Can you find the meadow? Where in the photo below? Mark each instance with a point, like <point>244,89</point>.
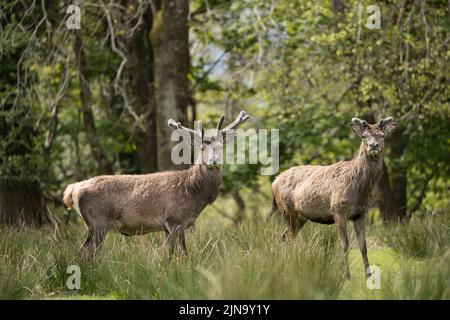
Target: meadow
<point>228,261</point>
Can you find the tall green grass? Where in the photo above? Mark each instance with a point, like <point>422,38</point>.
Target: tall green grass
<point>421,237</point>
<point>244,262</point>
<point>225,262</point>
<point>428,280</point>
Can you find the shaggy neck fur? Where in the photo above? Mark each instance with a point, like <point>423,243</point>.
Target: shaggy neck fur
<point>205,182</point>
<point>367,170</point>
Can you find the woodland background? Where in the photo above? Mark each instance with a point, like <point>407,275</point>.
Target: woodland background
<point>79,103</point>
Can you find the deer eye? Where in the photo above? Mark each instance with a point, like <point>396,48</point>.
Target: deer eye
<point>207,142</point>
<point>364,135</point>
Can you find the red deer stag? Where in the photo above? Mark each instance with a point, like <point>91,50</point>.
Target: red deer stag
<point>167,201</point>
<point>335,193</point>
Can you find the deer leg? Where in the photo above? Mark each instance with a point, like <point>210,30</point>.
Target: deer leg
<point>295,224</point>
<point>341,224</point>
<point>99,236</point>
<point>171,238</point>
<point>360,230</point>
<point>86,248</point>
<point>182,240</point>
<point>95,237</point>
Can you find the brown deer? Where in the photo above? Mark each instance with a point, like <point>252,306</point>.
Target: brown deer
<point>167,201</point>
<point>335,193</point>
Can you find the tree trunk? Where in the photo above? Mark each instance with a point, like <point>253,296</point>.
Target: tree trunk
<point>140,92</point>
<point>399,186</point>
<point>21,203</point>
<point>100,157</point>
<point>399,174</point>
<point>169,37</point>
<point>393,207</point>
<point>386,198</point>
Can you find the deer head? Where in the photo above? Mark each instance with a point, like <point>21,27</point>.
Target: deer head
<point>211,146</point>
<point>373,134</point>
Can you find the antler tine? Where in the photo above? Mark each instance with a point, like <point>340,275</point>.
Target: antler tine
<point>361,122</point>
<point>386,120</point>
<point>220,123</point>
<point>177,125</point>
<point>242,117</point>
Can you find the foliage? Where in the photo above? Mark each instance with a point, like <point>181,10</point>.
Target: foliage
<point>302,67</point>
<point>307,68</point>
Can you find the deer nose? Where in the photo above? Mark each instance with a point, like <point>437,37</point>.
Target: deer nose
<point>213,161</point>
<point>374,145</point>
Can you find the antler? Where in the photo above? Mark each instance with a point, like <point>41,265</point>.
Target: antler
<point>360,122</point>
<point>242,117</point>
<point>177,125</point>
<point>219,124</point>
<point>383,122</point>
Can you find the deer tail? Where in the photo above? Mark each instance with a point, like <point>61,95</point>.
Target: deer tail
<point>68,201</point>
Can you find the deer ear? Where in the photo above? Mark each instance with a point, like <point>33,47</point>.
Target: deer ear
<point>356,128</point>
<point>387,125</point>
<point>173,124</point>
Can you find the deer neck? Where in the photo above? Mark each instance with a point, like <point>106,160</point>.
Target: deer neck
<point>367,170</point>
<point>205,182</point>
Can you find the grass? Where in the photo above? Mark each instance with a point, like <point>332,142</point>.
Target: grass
<point>422,237</point>
<point>227,262</point>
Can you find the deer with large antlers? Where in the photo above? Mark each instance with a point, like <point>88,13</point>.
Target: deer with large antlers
<point>337,193</point>
<point>167,201</point>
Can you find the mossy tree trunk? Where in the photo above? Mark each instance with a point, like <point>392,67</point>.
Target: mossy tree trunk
<point>169,37</point>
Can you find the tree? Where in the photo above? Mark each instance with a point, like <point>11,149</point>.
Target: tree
<point>75,104</point>
<point>21,160</point>
<point>139,83</point>
<point>104,165</point>
<point>169,37</point>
